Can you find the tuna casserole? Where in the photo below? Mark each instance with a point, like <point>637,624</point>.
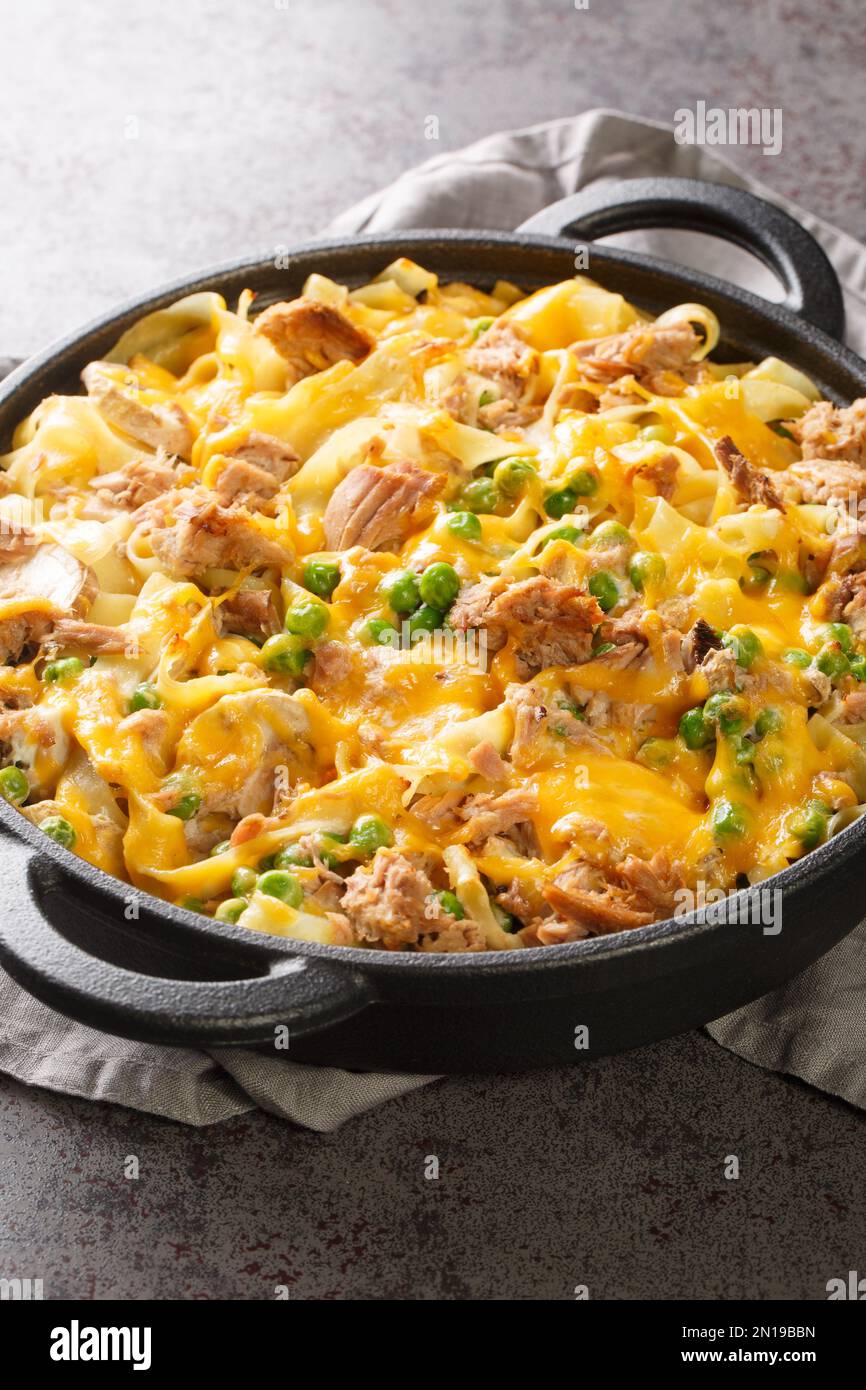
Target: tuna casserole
<point>422,618</point>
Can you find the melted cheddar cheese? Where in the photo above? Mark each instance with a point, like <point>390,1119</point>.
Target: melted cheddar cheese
<point>421,617</point>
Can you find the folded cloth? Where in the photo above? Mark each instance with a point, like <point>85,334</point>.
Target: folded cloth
<point>814,1027</point>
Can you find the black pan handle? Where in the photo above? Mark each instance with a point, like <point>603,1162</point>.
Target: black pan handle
<point>303,993</point>
<point>811,284</point>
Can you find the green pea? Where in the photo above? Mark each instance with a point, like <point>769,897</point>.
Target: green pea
<point>695,730</point>
<point>744,750</point>
<point>512,475</point>
<point>380,633</point>
<point>727,710</point>
<point>758,577</point>
<point>661,434</point>
<point>276,883</point>
<point>507,921</point>
<point>14,785</point>
<point>487,397</point>
<point>192,904</point>
<point>426,619</point>
<point>292,857</point>
<point>810,826</point>
<point>186,807</point>
<point>564,533</point>
<point>795,656</point>
<point>65,669</point>
<point>244,881</point>
<point>439,585</point>
<point>231,909</point>
<point>307,619</point>
<point>728,819</point>
<point>58,828</point>
<point>560,503</point>
<point>145,696</point>
<point>769,721</point>
<point>858,667</point>
<point>221,848</point>
<point>402,591</point>
<point>646,568</point>
<point>656,752</point>
<point>321,577</point>
<point>832,661</point>
<point>841,633</point>
<point>267,861</point>
<point>282,655</point>
<point>481,495</point>
<point>604,587</point>
<point>608,534</point>
<point>745,645</point>
<point>370,833</point>
<point>449,902</point>
<point>583,482</point>
<point>465,525</point>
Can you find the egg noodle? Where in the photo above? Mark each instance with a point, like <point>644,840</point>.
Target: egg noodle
<point>421,617</point>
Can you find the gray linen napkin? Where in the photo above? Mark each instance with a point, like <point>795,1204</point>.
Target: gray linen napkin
<point>813,1028</point>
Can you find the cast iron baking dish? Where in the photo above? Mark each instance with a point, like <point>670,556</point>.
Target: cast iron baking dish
<point>117,958</point>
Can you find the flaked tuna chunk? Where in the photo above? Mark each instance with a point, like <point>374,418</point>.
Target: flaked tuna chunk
<point>504,357</point>
<point>536,723</point>
<point>251,613</point>
<point>748,481</point>
<point>379,507</point>
<point>136,483</point>
<point>547,624</point>
<point>655,882</point>
<point>584,895</point>
<point>660,472</point>
<point>162,426</point>
<point>487,814</point>
<point>392,902</point>
<point>311,336</point>
<point>487,761</point>
<point>825,480</point>
<point>832,432</point>
<point>244,484</point>
<point>93,637</point>
<point>190,532</point>
<point>274,455</point>
<point>658,356</point>
<point>60,585</point>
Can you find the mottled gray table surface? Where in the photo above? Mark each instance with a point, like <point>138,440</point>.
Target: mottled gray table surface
<point>141,140</point>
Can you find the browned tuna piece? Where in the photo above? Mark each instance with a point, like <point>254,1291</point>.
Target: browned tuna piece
<point>503,355</point>
<point>749,482</point>
<point>658,356</point>
<point>379,507</point>
<point>832,432</point>
<point>251,613</point>
<point>826,480</point>
<point>392,902</point>
<point>136,483</point>
<point>161,426</point>
<point>48,573</point>
<point>274,455</point>
<point>312,336</point>
<point>94,637</point>
<point>190,532</point>
<point>548,624</point>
